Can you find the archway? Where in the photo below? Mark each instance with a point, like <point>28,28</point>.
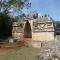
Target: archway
<point>27,30</point>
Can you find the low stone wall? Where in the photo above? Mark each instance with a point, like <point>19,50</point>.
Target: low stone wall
<point>43,36</point>
<point>4,45</point>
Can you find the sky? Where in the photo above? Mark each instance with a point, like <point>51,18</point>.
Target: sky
<point>50,7</point>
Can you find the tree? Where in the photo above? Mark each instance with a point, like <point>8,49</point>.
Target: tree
<point>7,6</point>
<point>58,27</point>
<point>5,25</point>
<point>57,24</point>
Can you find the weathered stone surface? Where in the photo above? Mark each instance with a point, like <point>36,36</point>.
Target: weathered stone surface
<point>11,40</point>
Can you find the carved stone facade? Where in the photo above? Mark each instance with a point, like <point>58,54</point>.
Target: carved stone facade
<point>34,28</point>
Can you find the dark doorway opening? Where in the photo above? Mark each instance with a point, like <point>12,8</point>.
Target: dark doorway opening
<point>27,30</point>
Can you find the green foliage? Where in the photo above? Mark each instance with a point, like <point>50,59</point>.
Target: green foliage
<point>16,5</point>
<point>57,24</point>
<point>58,27</point>
<point>22,15</point>
<point>5,25</point>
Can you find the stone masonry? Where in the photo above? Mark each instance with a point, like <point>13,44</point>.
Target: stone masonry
<point>34,30</point>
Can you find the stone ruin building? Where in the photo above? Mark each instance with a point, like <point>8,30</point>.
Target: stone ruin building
<point>34,29</point>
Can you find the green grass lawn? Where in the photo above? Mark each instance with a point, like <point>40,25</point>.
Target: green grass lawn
<point>23,53</point>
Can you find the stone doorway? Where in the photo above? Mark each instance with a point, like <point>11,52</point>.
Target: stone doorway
<point>27,30</point>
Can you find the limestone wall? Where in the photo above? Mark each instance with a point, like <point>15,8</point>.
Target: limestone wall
<point>18,36</point>
<point>43,36</point>
<point>39,37</point>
